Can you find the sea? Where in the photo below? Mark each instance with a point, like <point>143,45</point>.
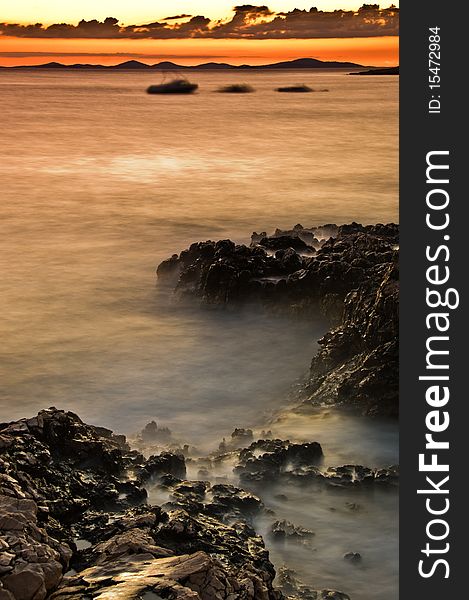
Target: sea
<point>99,182</point>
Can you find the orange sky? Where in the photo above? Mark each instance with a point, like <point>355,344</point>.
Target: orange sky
<point>368,51</point>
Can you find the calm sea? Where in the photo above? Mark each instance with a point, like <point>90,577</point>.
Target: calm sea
<point>99,182</point>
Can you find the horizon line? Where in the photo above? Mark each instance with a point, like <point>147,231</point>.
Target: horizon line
<point>133,61</point>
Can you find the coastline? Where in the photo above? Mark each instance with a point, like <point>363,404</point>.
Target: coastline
<point>74,496</point>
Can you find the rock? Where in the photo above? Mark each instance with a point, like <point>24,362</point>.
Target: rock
<point>277,458</point>
<point>152,433</point>
<point>26,584</point>
<point>353,557</point>
<point>242,436</point>
<point>293,589</point>
<point>77,506</point>
<point>283,242</point>
<point>165,463</point>
<point>168,268</point>
<point>281,531</point>
<point>344,476</point>
<point>188,576</point>
<point>347,273</point>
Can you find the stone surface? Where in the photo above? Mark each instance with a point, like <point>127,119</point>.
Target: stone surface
<point>347,274</point>
<point>74,522</point>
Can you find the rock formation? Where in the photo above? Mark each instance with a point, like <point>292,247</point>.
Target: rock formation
<point>348,274</point>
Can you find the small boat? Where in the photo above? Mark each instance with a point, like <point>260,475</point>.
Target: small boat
<point>295,89</point>
<point>236,88</point>
<point>176,86</point>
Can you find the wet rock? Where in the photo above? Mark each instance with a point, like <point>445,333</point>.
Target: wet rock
<point>76,506</point>
<point>284,242</point>
<point>267,460</point>
<point>348,274</point>
<point>165,463</point>
<point>187,576</point>
<point>345,476</point>
<point>281,531</point>
<point>168,268</point>
<point>293,589</point>
<point>31,562</point>
<point>242,436</point>
<point>152,433</point>
<point>353,557</point>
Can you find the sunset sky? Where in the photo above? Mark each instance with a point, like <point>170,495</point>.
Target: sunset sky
<point>194,31</point>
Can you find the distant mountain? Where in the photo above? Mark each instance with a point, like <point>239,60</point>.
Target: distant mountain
<point>49,65</point>
<point>135,65</point>
<point>130,65</point>
<point>308,63</point>
<point>385,71</point>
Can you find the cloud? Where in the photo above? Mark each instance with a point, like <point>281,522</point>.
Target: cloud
<point>248,22</point>
<point>141,55</point>
<point>177,18</point>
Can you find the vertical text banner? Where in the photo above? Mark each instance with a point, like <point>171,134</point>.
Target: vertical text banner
<point>433,319</point>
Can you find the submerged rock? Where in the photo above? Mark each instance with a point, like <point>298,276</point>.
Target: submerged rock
<point>268,460</point>
<point>353,557</point>
<point>293,589</point>
<point>154,433</point>
<point>282,531</point>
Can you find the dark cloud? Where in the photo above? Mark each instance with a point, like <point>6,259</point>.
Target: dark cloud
<point>248,22</point>
<point>139,55</point>
<point>177,17</point>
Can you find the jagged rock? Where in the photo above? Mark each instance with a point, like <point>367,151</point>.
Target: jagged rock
<point>283,242</point>
<point>168,268</point>
<point>188,576</point>
<point>152,433</point>
<point>71,503</point>
<point>345,476</point>
<point>351,278</point>
<point>293,589</point>
<point>277,457</point>
<point>31,562</point>
<point>165,463</point>
<point>353,557</point>
<point>281,531</point>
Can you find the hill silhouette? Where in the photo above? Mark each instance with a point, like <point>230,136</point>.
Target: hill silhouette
<point>135,65</point>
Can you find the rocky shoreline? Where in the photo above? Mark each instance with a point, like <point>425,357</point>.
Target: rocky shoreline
<point>347,274</point>
<point>75,519</point>
<point>75,522</point>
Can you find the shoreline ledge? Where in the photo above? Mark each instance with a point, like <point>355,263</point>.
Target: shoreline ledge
<point>347,274</point>
<point>75,521</point>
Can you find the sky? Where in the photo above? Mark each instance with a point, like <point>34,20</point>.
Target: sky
<point>194,31</point>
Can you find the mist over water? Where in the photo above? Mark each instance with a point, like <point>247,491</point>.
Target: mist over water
<point>100,182</point>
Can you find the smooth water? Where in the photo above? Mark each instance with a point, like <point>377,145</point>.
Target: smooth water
<point>100,181</point>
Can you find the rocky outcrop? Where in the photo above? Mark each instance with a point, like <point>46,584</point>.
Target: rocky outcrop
<point>273,461</point>
<point>293,589</point>
<point>347,274</point>
<point>74,522</point>
<point>268,460</point>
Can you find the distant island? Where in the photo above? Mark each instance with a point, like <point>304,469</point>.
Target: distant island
<point>135,65</point>
<point>384,71</point>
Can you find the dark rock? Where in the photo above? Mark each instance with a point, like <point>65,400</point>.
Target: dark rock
<point>152,433</point>
<point>349,275</point>
<point>277,458</point>
<point>283,242</point>
<point>353,557</point>
<point>281,531</point>
<point>69,503</point>
<point>164,464</point>
<point>293,589</point>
